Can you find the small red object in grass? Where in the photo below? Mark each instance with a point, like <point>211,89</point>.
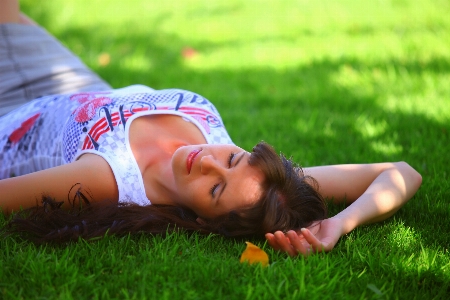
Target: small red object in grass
<point>189,52</point>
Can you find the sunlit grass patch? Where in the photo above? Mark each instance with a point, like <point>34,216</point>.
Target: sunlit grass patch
<point>325,82</point>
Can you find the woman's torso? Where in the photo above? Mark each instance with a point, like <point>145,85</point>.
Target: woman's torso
<point>55,130</point>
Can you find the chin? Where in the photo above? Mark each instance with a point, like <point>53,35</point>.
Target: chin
<point>179,160</point>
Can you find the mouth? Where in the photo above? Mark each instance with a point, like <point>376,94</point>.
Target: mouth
<point>190,159</point>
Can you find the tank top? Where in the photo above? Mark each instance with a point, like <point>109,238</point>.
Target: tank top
<point>58,129</point>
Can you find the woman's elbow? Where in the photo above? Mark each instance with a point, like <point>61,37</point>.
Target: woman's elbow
<point>411,175</point>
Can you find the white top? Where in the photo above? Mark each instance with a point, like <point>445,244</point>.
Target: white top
<point>55,130</point>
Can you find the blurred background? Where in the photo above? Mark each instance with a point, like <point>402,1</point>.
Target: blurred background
<point>327,82</point>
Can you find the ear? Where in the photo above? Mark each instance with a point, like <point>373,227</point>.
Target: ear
<point>200,221</point>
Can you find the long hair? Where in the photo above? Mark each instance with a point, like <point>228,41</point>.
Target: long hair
<point>290,201</point>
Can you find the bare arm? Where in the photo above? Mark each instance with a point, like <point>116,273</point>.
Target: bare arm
<point>91,173</point>
<point>375,191</point>
<point>9,11</point>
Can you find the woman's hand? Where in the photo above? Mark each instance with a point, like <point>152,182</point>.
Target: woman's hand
<point>320,236</point>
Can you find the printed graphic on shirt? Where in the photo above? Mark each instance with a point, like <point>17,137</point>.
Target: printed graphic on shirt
<point>100,114</point>
<point>17,134</point>
<point>30,136</point>
<point>90,102</point>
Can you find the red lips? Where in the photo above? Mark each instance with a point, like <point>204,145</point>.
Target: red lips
<point>190,159</point>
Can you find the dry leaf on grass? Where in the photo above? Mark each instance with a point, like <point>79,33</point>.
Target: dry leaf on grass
<point>253,255</point>
<point>104,59</point>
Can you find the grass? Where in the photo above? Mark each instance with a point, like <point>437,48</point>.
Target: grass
<point>327,82</point>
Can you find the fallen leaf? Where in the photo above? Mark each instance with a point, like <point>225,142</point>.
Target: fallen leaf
<point>253,255</point>
<point>104,59</point>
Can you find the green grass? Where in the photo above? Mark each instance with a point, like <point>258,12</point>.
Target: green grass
<point>327,82</point>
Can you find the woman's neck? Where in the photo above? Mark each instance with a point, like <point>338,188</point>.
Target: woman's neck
<point>153,140</point>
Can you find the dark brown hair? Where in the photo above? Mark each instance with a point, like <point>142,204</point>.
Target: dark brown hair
<point>290,201</point>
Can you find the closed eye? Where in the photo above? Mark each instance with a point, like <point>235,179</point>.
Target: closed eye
<point>213,190</point>
<point>230,159</point>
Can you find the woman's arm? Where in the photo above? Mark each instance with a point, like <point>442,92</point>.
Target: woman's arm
<point>375,191</point>
<point>90,174</point>
<point>9,11</point>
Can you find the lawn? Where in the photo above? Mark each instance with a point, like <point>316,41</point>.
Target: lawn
<point>326,82</point>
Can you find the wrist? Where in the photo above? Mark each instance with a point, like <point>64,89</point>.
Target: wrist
<point>346,225</point>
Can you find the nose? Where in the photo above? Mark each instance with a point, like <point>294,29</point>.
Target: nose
<point>209,165</point>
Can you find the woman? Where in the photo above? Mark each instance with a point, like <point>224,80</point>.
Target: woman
<point>144,159</point>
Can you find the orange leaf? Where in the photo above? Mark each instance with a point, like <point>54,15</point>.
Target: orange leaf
<point>104,59</point>
<point>253,255</point>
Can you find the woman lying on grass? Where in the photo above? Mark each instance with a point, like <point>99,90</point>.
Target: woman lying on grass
<point>140,160</point>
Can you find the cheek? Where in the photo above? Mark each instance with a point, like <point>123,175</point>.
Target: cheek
<point>176,160</point>
<point>201,199</point>
<point>198,194</point>
<point>193,195</point>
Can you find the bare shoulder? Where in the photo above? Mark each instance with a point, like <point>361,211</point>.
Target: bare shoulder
<point>96,174</point>
<point>93,160</point>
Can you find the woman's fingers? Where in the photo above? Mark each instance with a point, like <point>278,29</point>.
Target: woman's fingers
<point>293,243</point>
<point>316,245</point>
<point>301,245</point>
<point>272,241</point>
<point>284,243</point>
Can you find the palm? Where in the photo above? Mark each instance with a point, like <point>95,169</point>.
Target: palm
<point>321,236</point>
<point>328,232</point>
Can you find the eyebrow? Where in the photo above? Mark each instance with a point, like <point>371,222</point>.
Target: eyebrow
<point>237,162</point>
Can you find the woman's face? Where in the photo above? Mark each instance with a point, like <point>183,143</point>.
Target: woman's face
<point>213,180</point>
